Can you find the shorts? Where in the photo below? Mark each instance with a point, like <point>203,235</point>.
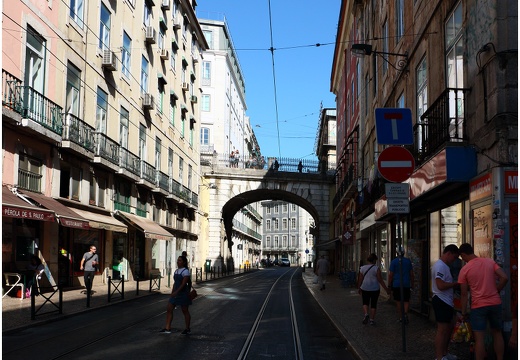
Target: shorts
<point>443,312</point>
<point>370,297</point>
<point>480,316</point>
<point>397,294</point>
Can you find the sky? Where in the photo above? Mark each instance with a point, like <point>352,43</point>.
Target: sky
<point>288,126</point>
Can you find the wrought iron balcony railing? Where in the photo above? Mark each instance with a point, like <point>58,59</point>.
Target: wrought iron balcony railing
<point>129,161</point>
<point>79,132</point>
<point>107,148</point>
<point>40,109</point>
<point>29,180</point>
<point>443,122</point>
<point>347,186</point>
<point>147,172</point>
<point>11,87</point>
<point>162,181</point>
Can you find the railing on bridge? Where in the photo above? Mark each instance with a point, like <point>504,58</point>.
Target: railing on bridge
<point>285,164</point>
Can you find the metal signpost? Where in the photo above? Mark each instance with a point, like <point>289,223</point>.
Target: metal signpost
<point>396,164</point>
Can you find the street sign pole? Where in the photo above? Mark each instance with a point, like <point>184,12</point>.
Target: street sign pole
<point>400,250</point>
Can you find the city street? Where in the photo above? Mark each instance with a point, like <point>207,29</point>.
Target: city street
<point>248,317</point>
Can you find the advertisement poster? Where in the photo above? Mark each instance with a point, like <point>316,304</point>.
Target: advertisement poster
<point>483,231</point>
<point>513,231</point>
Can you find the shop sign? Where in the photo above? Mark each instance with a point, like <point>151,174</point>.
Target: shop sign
<point>480,188</point>
<point>78,224</point>
<point>27,214</point>
<point>511,179</point>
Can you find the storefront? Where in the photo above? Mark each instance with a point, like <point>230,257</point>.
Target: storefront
<point>144,253</point>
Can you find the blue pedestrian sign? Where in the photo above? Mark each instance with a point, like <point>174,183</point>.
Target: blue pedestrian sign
<point>394,126</point>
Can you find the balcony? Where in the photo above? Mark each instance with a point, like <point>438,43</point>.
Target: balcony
<point>34,106</point>
<point>129,161</point>
<point>11,96</point>
<point>185,194</point>
<point>107,148</point>
<point>147,172</point>
<point>162,181</point>
<point>29,180</point>
<point>79,132</point>
<point>347,188</point>
<point>195,199</point>
<point>442,123</point>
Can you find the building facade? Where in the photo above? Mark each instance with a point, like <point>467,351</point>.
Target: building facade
<point>100,122</point>
<point>454,65</point>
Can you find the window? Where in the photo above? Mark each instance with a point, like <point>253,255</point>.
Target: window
<point>374,78</point>
<point>268,209</point>
<point>142,141</point>
<point>70,181</point>
<point>276,224</point>
<point>76,11</point>
<point>206,73</point>
<point>276,241</point>
<point>422,97</point>
<point>400,101</point>
<point>399,19</point>
<point>190,175</point>
<point>293,207</point>
<point>284,224</point>
<point>104,28</point>
<point>144,75</point>
<point>170,162</point>
<point>73,85</point>
<point>122,195</point>
<point>268,224</point>
<point>158,145</point>
<point>454,49</point>
<point>208,34</point>
<point>204,136</point>
<point>147,16</point>
<point>284,241</point>
<point>173,108</point>
<point>366,93</point>
<point>101,111</point>
<point>124,117</point>
<point>160,98</point>
<point>293,223</point>
<point>285,207</point>
<point>173,55</point>
<point>181,170</point>
<point>205,102</point>
<point>276,209</point>
<point>127,47</point>
<point>268,241</point>
<point>97,190</point>
<point>160,42</point>
<point>29,173</point>
<point>34,68</point>
<point>293,241</point>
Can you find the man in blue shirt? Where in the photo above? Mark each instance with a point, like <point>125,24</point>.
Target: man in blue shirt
<point>394,282</point>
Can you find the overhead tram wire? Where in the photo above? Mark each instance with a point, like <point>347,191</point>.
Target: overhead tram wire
<point>274,79</point>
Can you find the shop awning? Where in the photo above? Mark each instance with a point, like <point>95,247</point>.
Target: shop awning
<point>66,217</point>
<point>13,206</point>
<point>100,221</point>
<point>150,228</point>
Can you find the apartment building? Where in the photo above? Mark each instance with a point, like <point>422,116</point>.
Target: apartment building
<point>287,233</point>
<point>99,126</point>
<point>454,65</point>
<point>227,141</point>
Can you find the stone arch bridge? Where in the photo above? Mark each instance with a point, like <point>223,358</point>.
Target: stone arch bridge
<point>226,190</point>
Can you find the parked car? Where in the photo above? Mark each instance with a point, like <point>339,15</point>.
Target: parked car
<point>285,262</point>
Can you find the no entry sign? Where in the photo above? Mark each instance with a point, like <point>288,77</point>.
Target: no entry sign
<point>395,164</point>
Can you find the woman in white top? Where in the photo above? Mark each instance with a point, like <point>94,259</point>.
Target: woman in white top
<point>369,280</point>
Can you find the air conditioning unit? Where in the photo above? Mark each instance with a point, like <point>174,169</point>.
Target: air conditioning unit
<point>148,101</point>
<point>177,22</point>
<point>185,86</point>
<point>164,54</point>
<point>109,60</point>
<point>150,35</point>
<point>165,4</point>
<point>193,99</point>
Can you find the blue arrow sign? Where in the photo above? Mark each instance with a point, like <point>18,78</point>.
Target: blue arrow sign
<point>394,126</point>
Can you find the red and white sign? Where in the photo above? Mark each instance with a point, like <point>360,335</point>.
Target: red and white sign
<point>480,188</point>
<point>511,178</point>
<point>21,213</point>
<point>395,164</point>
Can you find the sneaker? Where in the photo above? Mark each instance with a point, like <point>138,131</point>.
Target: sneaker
<point>165,331</point>
<point>450,357</point>
<point>372,322</point>
<point>365,319</point>
<point>186,332</point>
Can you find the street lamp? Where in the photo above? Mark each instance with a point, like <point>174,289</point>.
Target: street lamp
<point>360,50</point>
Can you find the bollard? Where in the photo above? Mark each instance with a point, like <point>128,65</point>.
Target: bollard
<point>137,286</point>
<point>109,283</point>
<point>88,297</point>
<point>123,287</point>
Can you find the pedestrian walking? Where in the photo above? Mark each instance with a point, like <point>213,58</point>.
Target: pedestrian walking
<point>478,277</point>
<point>369,281</point>
<point>89,264</point>
<point>322,269</point>
<point>300,166</point>
<point>179,296</point>
<point>442,301</point>
<point>394,282</point>
<point>276,165</point>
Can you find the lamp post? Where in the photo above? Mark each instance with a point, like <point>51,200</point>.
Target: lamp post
<point>360,50</point>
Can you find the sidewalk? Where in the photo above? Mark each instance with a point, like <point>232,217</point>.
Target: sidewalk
<point>384,340</point>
